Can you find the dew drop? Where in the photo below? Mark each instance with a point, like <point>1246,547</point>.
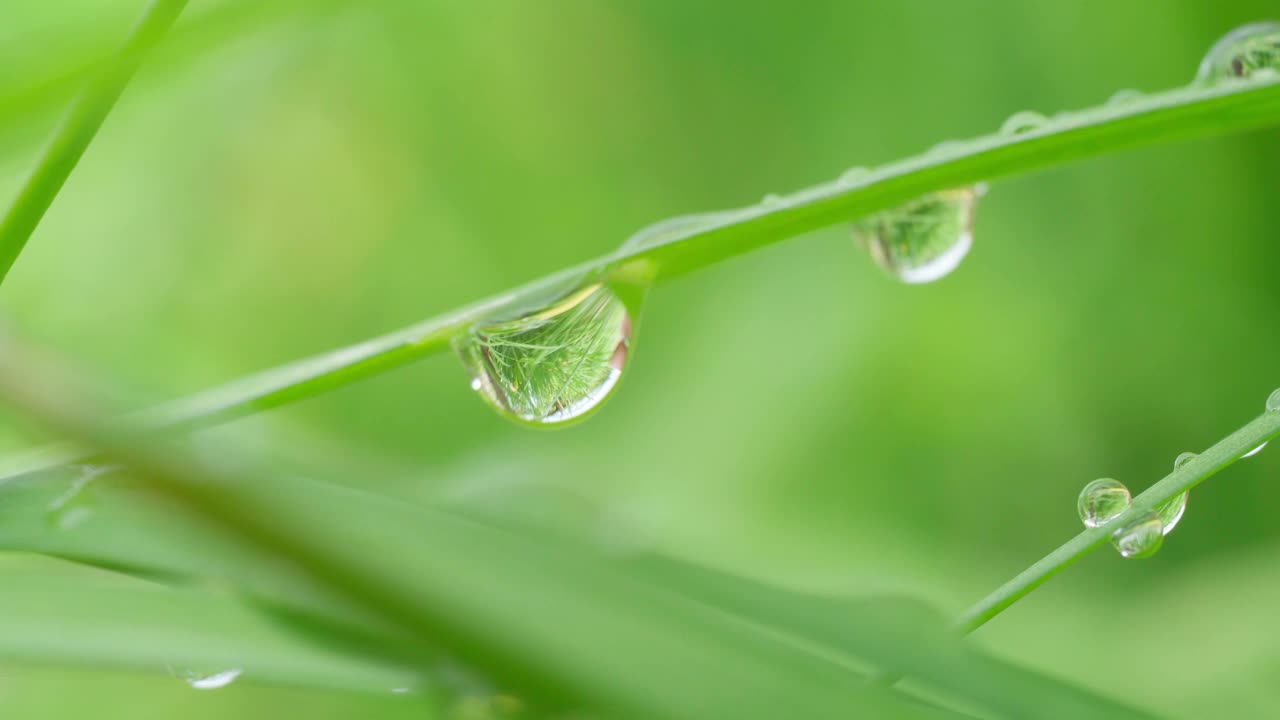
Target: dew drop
<point>1140,538</point>
<point>1171,512</point>
<point>1024,121</point>
<point>1183,459</point>
<point>1124,97</point>
<point>1273,402</point>
<point>677,227</point>
<point>1101,501</point>
<point>554,365</point>
<point>1250,51</point>
<point>923,240</point>
<point>772,200</point>
<point>210,681</point>
<point>853,175</point>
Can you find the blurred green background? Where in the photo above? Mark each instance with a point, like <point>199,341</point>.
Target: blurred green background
<point>294,178</point>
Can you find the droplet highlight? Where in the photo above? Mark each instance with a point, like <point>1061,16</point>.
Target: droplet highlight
<point>210,681</point>
<point>1021,122</point>
<point>923,240</point>
<point>1254,451</point>
<point>552,366</point>
<point>1101,501</point>
<point>1140,538</point>
<point>1248,52</point>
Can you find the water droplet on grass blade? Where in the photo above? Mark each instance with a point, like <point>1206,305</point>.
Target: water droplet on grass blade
<point>1250,51</point>
<point>210,680</point>
<point>1101,501</point>
<point>1140,538</point>
<point>554,365</point>
<point>1273,402</point>
<point>675,228</point>
<point>1024,121</point>
<point>923,240</point>
<point>1171,512</point>
<point>853,175</point>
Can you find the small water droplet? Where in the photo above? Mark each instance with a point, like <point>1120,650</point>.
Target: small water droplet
<point>1254,451</point>
<point>677,227</point>
<point>1273,402</point>
<point>1183,459</point>
<point>1171,512</point>
<point>210,681</point>
<point>772,200</point>
<point>923,240</point>
<point>554,365</point>
<point>1140,538</point>
<point>1243,53</point>
<point>76,505</point>
<point>853,175</point>
<point>1124,97</point>
<point>1101,501</point>
<point>1024,121</point>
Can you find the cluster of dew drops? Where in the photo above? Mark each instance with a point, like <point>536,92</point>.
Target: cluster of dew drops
<point>1105,499</point>
<point>556,365</point>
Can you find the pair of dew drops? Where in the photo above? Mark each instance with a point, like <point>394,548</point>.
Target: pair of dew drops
<point>1105,499</point>
<point>554,365</point>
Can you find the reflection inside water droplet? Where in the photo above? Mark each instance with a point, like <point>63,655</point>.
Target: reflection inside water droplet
<point>1171,512</point>
<point>551,366</point>
<point>1101,501</point>
<point>210,681</point>
<point>1140,538</point>
<point>1251,51</point>
<point>923,240</point>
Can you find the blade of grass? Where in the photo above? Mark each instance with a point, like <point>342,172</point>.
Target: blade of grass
<point>78,129</point>
<point>550,621</point>
<point>1162,117</point>
<point>106,622</point>
<point>1209,463</point>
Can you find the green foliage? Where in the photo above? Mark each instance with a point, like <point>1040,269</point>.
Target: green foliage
<point>374,586</point>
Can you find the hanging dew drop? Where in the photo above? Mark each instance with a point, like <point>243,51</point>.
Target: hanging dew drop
<point>552,366</point>
<point>210,680</point>
<point>1140,538</point>
<point>923,240</point>
<point>1273,402</point>
<point>1171,512</point>
<point>1021,122</point>
<point>1248,52</point>
<point>1101,501</point>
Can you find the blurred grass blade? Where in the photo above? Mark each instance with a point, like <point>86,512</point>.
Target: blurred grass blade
<point>78,129</point>
<point>1161,117</point>
<point>890,632</point>
<point>130,625</point>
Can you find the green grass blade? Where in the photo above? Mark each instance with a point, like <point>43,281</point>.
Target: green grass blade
<point>108,622</point>
<point>78,129</point>
<point>1162,117</point>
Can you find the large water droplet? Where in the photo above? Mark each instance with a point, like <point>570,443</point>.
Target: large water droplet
<point>923,240</point>
<point>210,680</point>
<point>1024,121</point>
<point>1140,538</point>
<point>1251,51</point>
<point>1273,402</point>
<point>1101,501</point>
<point>554,365</point>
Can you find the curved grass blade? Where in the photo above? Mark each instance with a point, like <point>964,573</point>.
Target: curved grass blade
<point>1161,117</point>
<point>106,622</point>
